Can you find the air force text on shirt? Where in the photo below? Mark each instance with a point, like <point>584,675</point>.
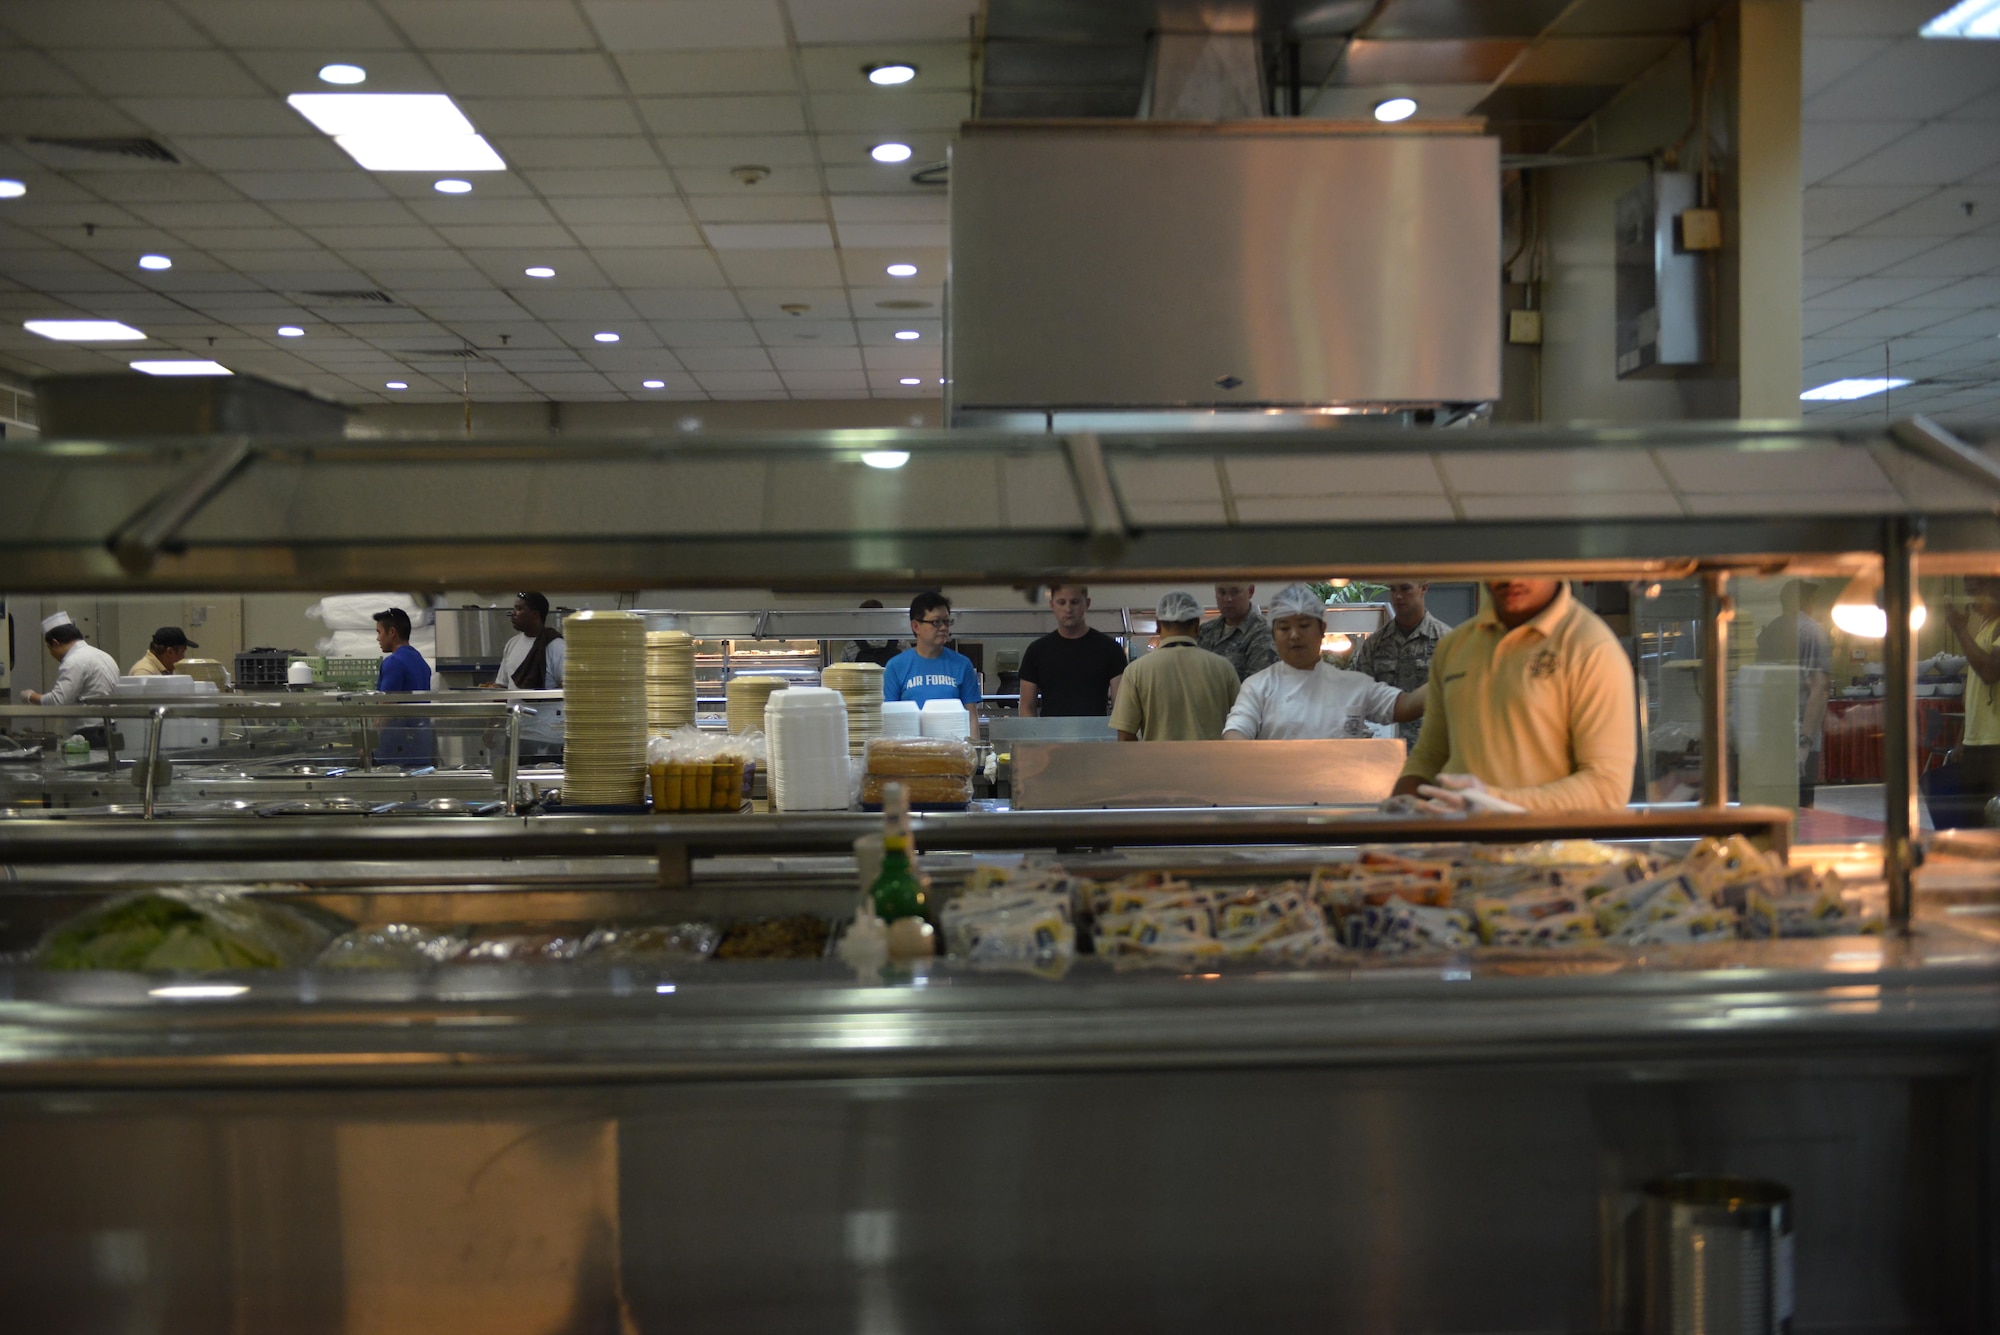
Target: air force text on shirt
<point>948,680</point>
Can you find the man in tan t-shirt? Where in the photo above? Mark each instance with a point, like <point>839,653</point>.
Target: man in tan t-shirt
<point>1531,703</point>
<point>1180,692</point>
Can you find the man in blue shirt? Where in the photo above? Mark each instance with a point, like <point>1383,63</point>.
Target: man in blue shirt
<point>930,671</point>
<point>403,669</point>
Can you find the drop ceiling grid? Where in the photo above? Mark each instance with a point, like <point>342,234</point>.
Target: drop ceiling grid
<point>577,197</point>
<point>1901,134</point>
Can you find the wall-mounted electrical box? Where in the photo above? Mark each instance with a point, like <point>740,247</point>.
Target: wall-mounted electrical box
<point>1663,299</point>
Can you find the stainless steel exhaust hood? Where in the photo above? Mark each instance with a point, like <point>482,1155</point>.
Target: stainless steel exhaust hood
<point>1221,270</point>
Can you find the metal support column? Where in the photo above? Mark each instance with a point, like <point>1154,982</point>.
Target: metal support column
<point>1718,609</point>
<point>1901,539</point>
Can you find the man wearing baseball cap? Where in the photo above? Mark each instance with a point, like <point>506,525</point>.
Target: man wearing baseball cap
<point>83,670</point>
<point>1180,692</point>
<point>170,645</point>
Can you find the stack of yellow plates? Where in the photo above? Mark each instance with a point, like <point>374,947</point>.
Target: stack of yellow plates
<point>604,710</point>
<point>669,680</point>
<point>747,697</point>
<point>861,685</point>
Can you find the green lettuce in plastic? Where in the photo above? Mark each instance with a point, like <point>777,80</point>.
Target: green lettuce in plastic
<point>182,930</point>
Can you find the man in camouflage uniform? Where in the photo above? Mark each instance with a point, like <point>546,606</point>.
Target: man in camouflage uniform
<point>1240,634</point>
<point>1399,654</point>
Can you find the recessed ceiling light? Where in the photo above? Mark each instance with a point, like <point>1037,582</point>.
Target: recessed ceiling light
<point>606,337</point>
<point>911,380</point>
<point>890,74</point>
<point>452,186</point>
<point>290,331</point>
<point>1837,391</point>
<point>1970,18</point>
<point>182,367</point>
<point>540,271</point>
<point>342,74</point>
<point>654,384</point>
<point>83,331</point>
<point>399,132</point>
<point>907,334</point>
<point>12,189</point>
<point>890,152</point>
<point>886,458</point>
<point>155,262</point>
<point>1396,109</point>
<point>901,271</point>
<point>396,384</point>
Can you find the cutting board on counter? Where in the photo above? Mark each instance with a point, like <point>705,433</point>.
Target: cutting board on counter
<point>1070,776</point>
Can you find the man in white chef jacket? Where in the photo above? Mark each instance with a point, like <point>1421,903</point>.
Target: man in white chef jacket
<point>83,670</point>
<point>1301,696</point>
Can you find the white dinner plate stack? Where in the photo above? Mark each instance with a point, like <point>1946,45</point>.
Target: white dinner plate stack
<point>946,718</point>
<point>747,698</point>
<point>805,728</point>
<point>669,680</point>
<point>860,684</point>
<point>901,718</point>
<point>604,710</point>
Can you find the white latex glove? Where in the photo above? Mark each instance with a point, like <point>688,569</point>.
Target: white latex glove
<point>1464,794</point>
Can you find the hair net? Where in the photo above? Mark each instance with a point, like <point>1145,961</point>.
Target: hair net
<point>1297,600</point>
<point>1178,606</point>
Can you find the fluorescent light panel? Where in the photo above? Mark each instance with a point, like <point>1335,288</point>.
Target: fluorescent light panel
<point>1839,391</point>
<point>399,132</point>
<point>1970,18</point>
<point>84,331</point>
<point>182,368</point>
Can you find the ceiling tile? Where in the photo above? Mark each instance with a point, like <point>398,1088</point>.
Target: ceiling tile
<point>602,183</point>
<point>574,267</point>
<point>489,238</point>
<point>940,66</point>
<point>1941,213</point>
<point>882,333</point>
<point>730,382</point>
<point>586,304</point>
<point>889,112</point>
<point>1959,257</point>
<point>1958,294</point>
<point>680,334</point>
<point>1826,59</point>
<point>272,153</point>
<point>1867,294</point>
<point>285,186</point>
<point>329,28</point>
<point>231,117</point>
<point>1857,257</point>
<point>491,25</point>
<point>1867,18</point>
<point>879,301</point>
<point>1885,324</point>
<point>298,70</point>
<point>748,207</point>
<point>144,72</point>
<point>769,303</point>
<point>346,213</point>
<point>504,116</point>
<point>764,114</point>
<point>83,23</point>
<point>74,116</point>
<point>1940,152</point>
<point>781,268</point>
<point>527,153</point>
<point>1911,81</point>
<point>732,150</point>
<point>375,238</point>
<point>708,72</point>
<point>787,332</point>
<point>725,359</point>
<point>647,212</point>
<point>219,240</point>
<point>1831,146</point>
<point>933,208</point>
<point>867,267</point>
<point>878,179</point>
<point>815,21</point>
<point>664,306</point>
<point>686,25</point>
<point>542,75</point>
<point>24,73</point>
<point>796,180</point>
<point>468,211</point>
<point>816,358</point>
<point>769,236</point>
<point>853,150</point>
<point>886,236</point>
<point>809,382</point>
<point>563,384</point>
<point>658,267</point>
<point>629,235</point>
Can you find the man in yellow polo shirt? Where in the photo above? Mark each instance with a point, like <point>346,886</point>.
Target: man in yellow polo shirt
<point>1530,703</point>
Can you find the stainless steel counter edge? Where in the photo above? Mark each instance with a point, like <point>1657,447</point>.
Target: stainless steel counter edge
<point>1898,999</point>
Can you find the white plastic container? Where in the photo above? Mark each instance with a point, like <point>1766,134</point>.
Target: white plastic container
<point>946,718</point>
<point>805,728</point>
<point>901,718</point>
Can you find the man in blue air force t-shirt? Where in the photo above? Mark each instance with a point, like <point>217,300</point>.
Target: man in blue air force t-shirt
<point>930,671</point>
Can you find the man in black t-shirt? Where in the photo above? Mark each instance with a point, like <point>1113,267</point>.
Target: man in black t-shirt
<point>1074,671</point>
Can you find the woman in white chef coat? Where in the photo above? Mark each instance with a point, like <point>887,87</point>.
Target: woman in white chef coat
<point>1301,696</point>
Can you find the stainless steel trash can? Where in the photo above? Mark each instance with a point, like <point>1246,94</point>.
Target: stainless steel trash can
<point>1718,1257</point>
